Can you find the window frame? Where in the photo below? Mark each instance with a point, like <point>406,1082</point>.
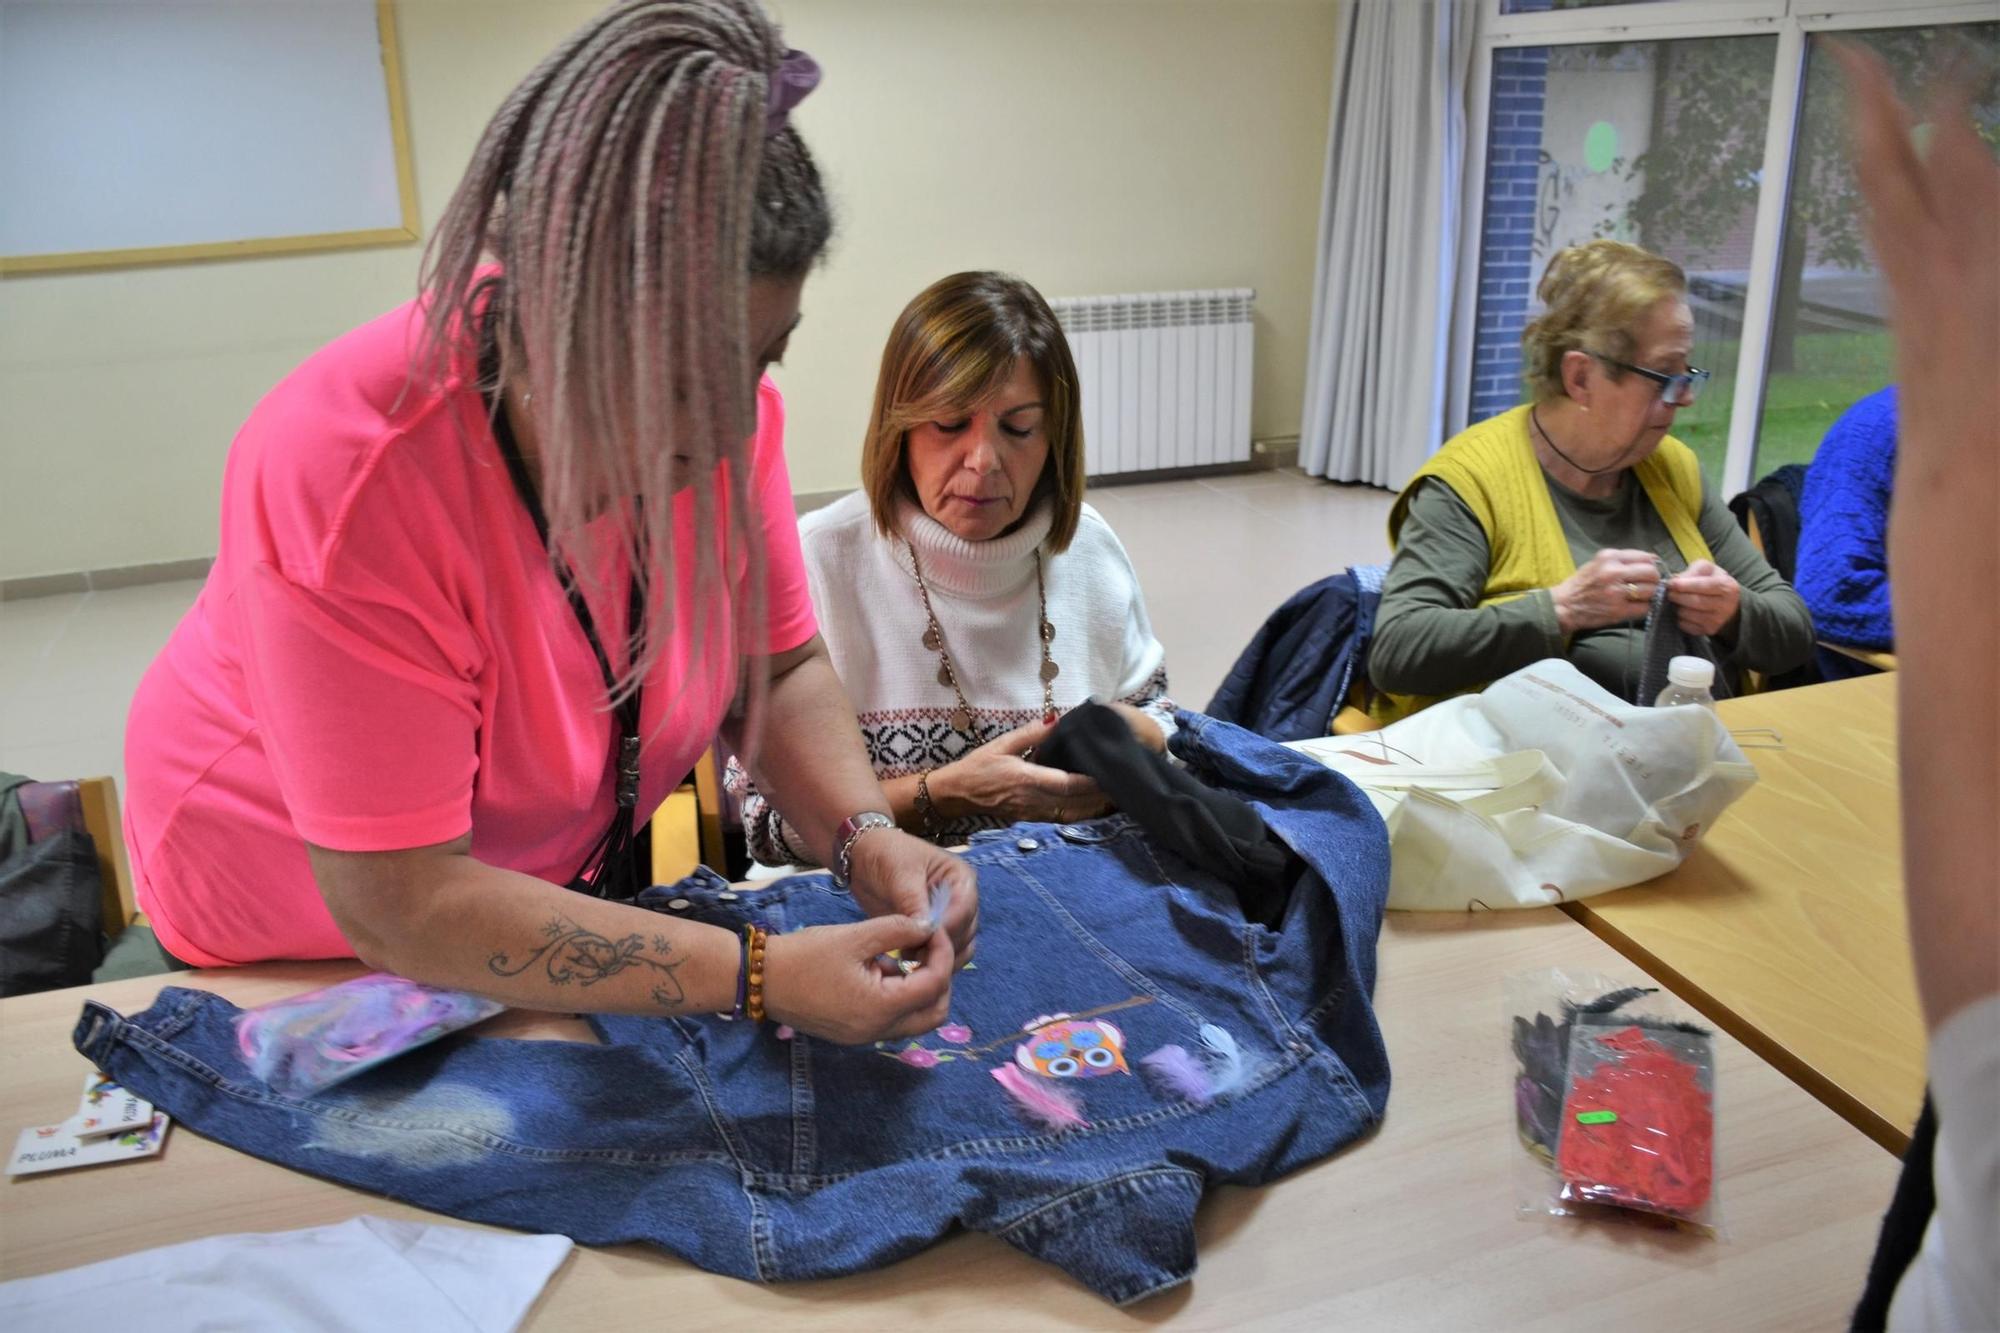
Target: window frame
<point>1792,22</point>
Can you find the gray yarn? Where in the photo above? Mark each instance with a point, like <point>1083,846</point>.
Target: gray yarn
<point>1664,641</point>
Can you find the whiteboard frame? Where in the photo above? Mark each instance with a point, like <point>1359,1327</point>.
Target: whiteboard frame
<point>406,189</point>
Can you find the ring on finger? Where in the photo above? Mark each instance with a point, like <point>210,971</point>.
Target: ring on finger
<point>1631,591</point>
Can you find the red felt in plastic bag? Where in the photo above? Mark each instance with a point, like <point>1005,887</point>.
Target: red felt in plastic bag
<point>1638,1121</point>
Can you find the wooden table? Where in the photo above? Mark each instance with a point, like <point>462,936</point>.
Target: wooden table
<point>1786,925</point>
<point>1414,1228</point>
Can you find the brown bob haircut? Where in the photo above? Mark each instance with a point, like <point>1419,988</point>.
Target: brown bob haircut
<point>952,348</point>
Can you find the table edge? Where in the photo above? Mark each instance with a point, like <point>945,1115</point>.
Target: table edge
<point>1872,1123</point>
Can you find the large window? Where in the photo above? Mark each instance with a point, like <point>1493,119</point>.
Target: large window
<point>1639,141</point>
<point>1829,345</point>
<point>1713,132</point>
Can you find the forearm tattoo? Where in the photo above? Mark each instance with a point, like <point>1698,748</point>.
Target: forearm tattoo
<point>571,953</point>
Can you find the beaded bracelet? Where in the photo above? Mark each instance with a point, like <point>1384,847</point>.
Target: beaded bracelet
<point>751,984</point>
<point>927,809</point>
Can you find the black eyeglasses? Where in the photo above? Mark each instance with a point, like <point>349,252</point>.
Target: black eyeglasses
<point>1675,390</point>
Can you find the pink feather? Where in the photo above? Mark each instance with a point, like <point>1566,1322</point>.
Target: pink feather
<point>1180,1073</point>
<point>1046,1106</point>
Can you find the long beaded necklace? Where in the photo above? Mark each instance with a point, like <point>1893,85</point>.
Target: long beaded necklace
<point>961,716</point>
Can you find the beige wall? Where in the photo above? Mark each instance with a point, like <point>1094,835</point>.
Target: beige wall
<point>1089,145</point>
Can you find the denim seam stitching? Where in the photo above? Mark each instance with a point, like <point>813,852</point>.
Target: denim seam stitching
<point>763,1251</point>
<point>1343,1077</point>
<point>1269,1072</point>
<point>1167,1285</point>
<point>176,1020</point>
<point>1098,1186</point>
<point>1247,938</point>
<point>723,1129</point>
<point>1348,1086</point>
<point>1110,958</point>
<point>759,1222</point>
<point>805,1140</point>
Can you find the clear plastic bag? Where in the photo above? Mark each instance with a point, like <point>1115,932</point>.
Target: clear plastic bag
<point>1614,1100</point>
<point>304,1043</point>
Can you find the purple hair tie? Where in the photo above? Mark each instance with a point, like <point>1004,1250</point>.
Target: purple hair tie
<point>796,75</point>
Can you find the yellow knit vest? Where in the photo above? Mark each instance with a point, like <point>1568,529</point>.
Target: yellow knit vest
<point>1493,469</point>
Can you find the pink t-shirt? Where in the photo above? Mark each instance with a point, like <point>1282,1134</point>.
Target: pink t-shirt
<point>383,658</point>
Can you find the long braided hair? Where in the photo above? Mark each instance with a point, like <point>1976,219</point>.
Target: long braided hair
<point>628,190</point>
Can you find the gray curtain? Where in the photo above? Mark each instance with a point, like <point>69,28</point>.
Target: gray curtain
<point>1388,240</point>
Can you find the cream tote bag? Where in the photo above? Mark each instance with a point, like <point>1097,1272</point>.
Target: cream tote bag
<point>1545,788</point>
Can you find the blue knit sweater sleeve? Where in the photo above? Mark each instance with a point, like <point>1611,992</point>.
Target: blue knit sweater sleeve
<point>1843,559</point>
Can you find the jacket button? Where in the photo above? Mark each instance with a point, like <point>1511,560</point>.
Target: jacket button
<point>679,904</point>
<point>1027,844</point>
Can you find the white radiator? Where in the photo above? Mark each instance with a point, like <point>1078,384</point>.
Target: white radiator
<point>1165,378</point>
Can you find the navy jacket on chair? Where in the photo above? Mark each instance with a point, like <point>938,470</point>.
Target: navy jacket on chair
<point>1294,676</point>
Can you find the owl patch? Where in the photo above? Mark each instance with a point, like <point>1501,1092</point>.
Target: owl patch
<point>1059,1046</point>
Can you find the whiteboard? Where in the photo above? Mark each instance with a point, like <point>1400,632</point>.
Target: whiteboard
<point>141,130</point>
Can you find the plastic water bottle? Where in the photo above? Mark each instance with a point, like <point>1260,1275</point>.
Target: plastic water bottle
<point>1688,679</point>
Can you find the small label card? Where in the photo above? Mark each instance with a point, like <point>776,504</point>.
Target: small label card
<point>57,1147</point>
<point>107,1108</point>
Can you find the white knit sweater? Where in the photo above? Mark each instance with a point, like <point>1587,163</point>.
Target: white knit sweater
<point>865,593</point>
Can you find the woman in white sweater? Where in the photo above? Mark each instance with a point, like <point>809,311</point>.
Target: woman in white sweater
<point>967,594</point>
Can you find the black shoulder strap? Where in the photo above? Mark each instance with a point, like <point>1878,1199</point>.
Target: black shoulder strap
<point>609,870</point>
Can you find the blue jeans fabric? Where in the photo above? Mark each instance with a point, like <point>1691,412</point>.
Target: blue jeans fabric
<point>775,1159</point>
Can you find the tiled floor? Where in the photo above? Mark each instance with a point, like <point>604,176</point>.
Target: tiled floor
<point>1215,556</point>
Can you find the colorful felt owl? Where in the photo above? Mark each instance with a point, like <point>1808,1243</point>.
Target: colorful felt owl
<point>1061,1047</point>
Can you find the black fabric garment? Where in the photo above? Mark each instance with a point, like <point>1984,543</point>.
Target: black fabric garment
<point>1774,503</point>
<point>1903,1226</point>
<point>1294,674</point>
<point>1212,830</point>
<point>51,914</point>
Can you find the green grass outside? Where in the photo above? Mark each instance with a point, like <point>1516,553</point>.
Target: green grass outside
<point>1834,370</point>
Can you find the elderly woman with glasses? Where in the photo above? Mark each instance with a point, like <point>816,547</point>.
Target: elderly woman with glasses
<point>1545,531</point>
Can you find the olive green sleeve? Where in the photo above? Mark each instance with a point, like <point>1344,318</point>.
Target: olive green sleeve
<point>1774,630</point>
<point>1431,634</point>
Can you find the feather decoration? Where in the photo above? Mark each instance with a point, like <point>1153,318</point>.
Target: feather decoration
<point>1617,999</point>
<point>1039,1101</point>
<point>940,901</point>
<point>1229,1068</point>
<point>1179,1074</point>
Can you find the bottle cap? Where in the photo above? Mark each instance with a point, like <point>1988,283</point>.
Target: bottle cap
<point>1694,672</point>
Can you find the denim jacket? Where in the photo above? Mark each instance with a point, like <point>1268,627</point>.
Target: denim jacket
<point>775,1158</point>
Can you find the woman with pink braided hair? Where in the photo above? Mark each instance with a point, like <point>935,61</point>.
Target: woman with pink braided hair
<point>498,566</point>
